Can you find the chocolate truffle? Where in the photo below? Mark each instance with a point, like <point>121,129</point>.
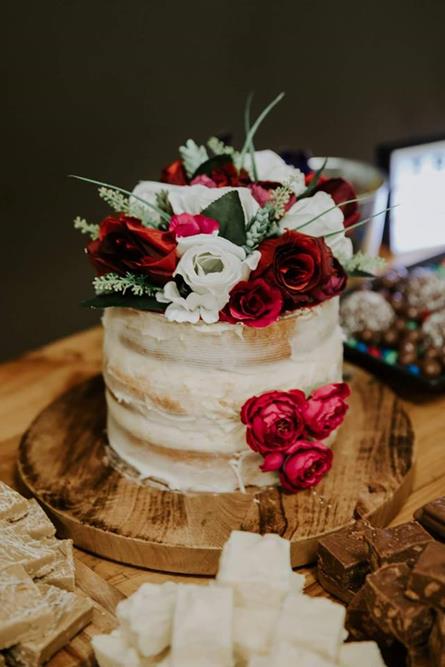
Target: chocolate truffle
<point>434,328</point>
<point>365,310</point>
<point>425,290</point>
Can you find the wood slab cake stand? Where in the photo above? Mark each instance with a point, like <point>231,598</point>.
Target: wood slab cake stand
<point>63,462</point>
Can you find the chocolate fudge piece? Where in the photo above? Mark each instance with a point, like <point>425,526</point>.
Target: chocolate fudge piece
<point>407,620</point>
<point>418,656</point>
<point>432,517</point>
<point>361,626</point>
<point>427,580</point>
<point>400,544</point>
<point>343,561</point>
<point>437,641</point>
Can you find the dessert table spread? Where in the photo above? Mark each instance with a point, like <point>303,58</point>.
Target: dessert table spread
<point>31,382</point>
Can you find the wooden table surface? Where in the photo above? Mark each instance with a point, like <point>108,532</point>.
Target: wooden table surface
<point>30,382</point>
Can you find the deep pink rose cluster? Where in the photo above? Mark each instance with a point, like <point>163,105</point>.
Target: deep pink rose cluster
<point>286,428</point>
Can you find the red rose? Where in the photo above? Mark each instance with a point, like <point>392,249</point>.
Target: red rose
<point>302,267</point>
<point>124,244</point>
<point>340,191</point>
<point>185,224</point>
<point>335,285</point>
<point>305,465</point>
<point>325,409</point>
<point>254,303</point>
<point>174,173</point>
<point>273,420</point>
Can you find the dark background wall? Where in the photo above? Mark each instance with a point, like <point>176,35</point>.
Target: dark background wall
<point>109,89</point>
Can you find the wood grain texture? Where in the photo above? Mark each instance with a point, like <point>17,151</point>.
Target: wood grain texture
<point>31,382</point>
<point>63,462</point>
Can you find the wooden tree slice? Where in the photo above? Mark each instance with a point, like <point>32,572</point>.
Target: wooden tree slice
<point>63,462</point>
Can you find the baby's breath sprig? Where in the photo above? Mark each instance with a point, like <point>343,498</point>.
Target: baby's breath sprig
<point>112,283</point>
<point>86,227</point>
<point>362,263</point>
<point>279,200</point>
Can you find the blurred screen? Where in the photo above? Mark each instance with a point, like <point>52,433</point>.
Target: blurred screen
<point>417,182</point>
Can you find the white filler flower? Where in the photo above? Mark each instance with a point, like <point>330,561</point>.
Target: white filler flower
<point>271,167</point>
<point>329,220</point>
<point>210,266</point>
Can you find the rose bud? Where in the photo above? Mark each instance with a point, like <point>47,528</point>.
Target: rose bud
<point>305,465</point>
<point>185,224</point>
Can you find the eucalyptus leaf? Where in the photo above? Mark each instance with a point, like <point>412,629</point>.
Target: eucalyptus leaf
<point>215,162</point>
<point>228,211</point>
<point>124,301</point>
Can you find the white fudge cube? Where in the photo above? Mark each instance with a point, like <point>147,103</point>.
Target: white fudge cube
<point>286,655</point>
<point>253,630</point>
<point>146,617</point>
<point>113,650</point>
<point>202,627</point>
<point>316,624</point>
<point>257,568</point>
<point>360,654</point>
<point>297,582</point>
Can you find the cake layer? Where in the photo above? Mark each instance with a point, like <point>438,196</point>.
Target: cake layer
<point>178,388</point>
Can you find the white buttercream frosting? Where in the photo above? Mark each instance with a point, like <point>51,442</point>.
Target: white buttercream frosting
<point>175,390</point>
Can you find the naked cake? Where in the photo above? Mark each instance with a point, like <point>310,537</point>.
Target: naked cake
<point>222,345</point>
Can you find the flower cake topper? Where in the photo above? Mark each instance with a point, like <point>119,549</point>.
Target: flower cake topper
<point>286,428</point>
<point>239,236</point>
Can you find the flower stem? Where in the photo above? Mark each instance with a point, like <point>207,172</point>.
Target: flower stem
<point>257,123</point>
<point>247,128</point>
<point>332,208</point>
<point>163,214</point>
<point>362,222</point>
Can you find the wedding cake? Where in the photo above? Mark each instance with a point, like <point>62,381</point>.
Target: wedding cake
<point>222,345</point>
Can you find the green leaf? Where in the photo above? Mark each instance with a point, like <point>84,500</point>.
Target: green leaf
<point>215,162</point>
<point>359,273</point>
<point>314,182</point>
<point>227,210</point>
<point>124,301</point>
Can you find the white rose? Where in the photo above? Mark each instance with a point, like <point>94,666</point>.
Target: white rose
<point>210,266</point>
<point>330,220</point>
<point>271,167</point>
<point>192,198</point>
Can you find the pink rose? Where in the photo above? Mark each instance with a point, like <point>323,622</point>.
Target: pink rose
<point>185,224</point>
<point>202,179</point>
<point>305,465</point>
<point>273,420</point>
<point>325,409</point>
